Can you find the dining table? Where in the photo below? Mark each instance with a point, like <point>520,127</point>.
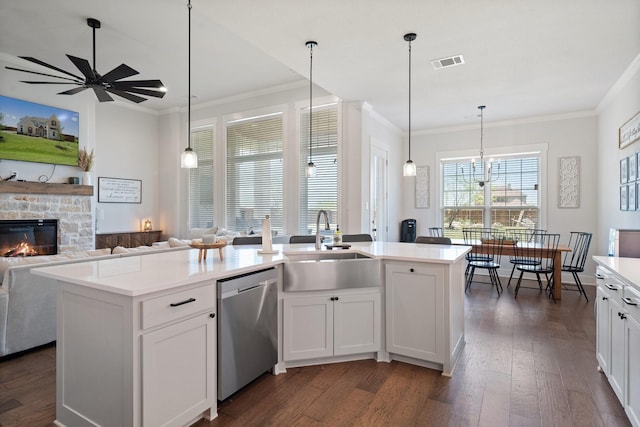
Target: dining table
<point>526,249</point>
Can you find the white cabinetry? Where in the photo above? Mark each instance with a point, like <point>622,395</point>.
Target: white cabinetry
<point>425,313</point>
<point>135,361</point>
<point>618,337</point>
<point>331,324</point>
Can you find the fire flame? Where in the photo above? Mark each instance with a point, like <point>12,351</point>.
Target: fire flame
<point>23,249</point>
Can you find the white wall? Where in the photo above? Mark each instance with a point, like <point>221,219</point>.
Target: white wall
<point>564,136</point>
<point>622,103</point>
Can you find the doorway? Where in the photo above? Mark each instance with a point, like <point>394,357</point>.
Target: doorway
<point>379,212</point>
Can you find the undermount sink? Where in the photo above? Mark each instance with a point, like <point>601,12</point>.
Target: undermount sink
<point>326,270</point>
<point>324,255</point>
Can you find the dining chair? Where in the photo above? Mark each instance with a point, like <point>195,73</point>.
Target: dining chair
<point>573,262</point>
<point>247,240</point>
<point>302,238</point>
<point>486,254</point>
<point>431,240</point>
<point>436,232</point>
<point>356,238</point>
<point>520,234</point>
<point>538,258</point>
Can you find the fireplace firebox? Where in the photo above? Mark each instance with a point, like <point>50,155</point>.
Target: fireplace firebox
<point>28,237</point>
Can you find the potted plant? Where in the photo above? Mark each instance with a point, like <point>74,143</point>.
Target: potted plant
<point>85,163</point>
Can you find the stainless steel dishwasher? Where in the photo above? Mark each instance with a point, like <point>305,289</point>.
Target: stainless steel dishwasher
<point>247,329</point>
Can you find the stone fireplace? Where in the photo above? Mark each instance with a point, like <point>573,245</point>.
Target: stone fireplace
<point>71,205</point>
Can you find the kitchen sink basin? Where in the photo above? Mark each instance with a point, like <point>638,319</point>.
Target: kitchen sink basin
<point>327,270</point>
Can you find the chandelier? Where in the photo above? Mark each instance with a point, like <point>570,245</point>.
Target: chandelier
<point>484,172</point>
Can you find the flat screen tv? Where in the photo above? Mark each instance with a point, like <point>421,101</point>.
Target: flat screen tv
<point>31,132</point>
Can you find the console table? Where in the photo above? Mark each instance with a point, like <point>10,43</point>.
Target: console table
<point>130,239</point>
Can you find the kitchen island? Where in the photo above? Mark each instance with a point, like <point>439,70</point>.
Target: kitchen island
<point>137,335</point>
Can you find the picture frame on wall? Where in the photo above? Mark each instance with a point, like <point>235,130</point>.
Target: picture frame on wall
<point>629,132</point>
<point>632,197</point>
<point>624,200</point>
<point>633,167</point>
<point>624,170</point>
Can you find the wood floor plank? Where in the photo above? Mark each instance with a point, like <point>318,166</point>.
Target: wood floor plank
<point>527,362</point>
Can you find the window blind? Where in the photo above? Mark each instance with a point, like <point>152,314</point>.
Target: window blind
<point>254,173</point>
<point>321,191</point>
<point>201,179</point>
<point>511,199</point>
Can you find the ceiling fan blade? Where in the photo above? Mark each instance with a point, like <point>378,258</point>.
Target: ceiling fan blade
<point>148,92</point>
<point>140,83</point>
<point>44,74</point>
<point>44,64</point>
<point>120,72</point>
<point>73,91</point>
<point>102,95</point>
<point>125,95</point>
<point>47,83</point>
<point>84,67</point>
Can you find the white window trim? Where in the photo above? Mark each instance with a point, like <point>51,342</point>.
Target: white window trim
<point>513,150</point>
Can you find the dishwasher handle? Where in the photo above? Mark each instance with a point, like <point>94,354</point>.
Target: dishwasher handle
<point>234,292</point>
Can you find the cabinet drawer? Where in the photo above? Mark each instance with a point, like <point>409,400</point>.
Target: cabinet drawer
<point>175,306</point>
<point>631,302</point>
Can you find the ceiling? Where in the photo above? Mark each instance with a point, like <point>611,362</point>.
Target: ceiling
<point>523,58</point>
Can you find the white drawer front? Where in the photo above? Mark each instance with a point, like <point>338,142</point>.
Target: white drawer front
<point>631,302</point>
<point>175,306</point>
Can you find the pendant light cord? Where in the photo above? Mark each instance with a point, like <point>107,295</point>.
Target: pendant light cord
<point>409,99</point>
<point>189,81</point>
<point>310,44</point>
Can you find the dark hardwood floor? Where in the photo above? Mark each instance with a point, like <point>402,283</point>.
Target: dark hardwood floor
<point>527,362</point>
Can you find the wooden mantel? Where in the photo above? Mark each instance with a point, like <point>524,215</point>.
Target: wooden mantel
<point>45,188</point>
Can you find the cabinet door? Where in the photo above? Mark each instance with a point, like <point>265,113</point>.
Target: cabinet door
<point>616,332</point>
<point>415,311</point>
<point>179,372</point>
<point>603,339</point>
<point>356,323</point>
<point>308,327</point>
<point>632,365</point>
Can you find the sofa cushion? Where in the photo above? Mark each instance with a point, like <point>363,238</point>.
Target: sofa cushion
<point>197,233</point>
<point>175,243</point>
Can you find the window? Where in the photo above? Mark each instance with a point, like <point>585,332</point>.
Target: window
<point>254,173</point>
<point>201,213</point>
<point>512,199</point>
<point>321,191</point>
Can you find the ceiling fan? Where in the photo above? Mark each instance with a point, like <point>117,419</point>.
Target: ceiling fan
<point>101,84</point>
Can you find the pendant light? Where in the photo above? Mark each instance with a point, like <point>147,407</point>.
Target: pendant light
<point>189,158</point>
<point>409,168</point>
<point>489,172</point>
<point>311,168</point>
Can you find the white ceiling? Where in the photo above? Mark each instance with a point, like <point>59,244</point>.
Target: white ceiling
<point>523,58</point>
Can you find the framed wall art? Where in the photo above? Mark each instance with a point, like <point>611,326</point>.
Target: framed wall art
<point>633,167</point>
<point>118,190</point>
<point>569,182</point>
<point>632,196</point>
<point>629,132</point>
<point>422,187</point>
<point>624,198</point>
<point>624,170</point>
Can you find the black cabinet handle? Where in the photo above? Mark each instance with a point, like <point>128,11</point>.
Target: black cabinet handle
<point>334,298</point>
<point>176,304</point>
<point>411,270</point>
<point>612,287</point>
<point>629,301</point>
<point>212,315</point>
<point>337,298</point>
<point>605,298</point>
<point>622,315</point>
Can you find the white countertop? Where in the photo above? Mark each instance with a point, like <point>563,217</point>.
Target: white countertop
<point>148,273</point>
<point>627,268</point>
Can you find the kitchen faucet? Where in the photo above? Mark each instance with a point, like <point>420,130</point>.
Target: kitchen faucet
<point>326,226</point>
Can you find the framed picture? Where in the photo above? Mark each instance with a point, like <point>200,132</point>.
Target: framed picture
<point>118,190</point>
<point>633,167</point>
<point>624,201</point>
<point>624,170</point>
<point>629,132</point>
<point>632,196</point>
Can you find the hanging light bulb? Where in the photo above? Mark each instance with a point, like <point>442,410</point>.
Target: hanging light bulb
<point>311,167</point>
<point>189,158</point>
<point>409,168</point>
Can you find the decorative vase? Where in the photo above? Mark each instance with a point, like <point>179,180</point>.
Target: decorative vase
<point>86,178</point>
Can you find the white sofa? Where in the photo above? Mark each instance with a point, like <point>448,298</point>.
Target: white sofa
<point>28,302</point>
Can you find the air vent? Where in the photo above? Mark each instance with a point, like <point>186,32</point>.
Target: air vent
<point>449,61</point>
